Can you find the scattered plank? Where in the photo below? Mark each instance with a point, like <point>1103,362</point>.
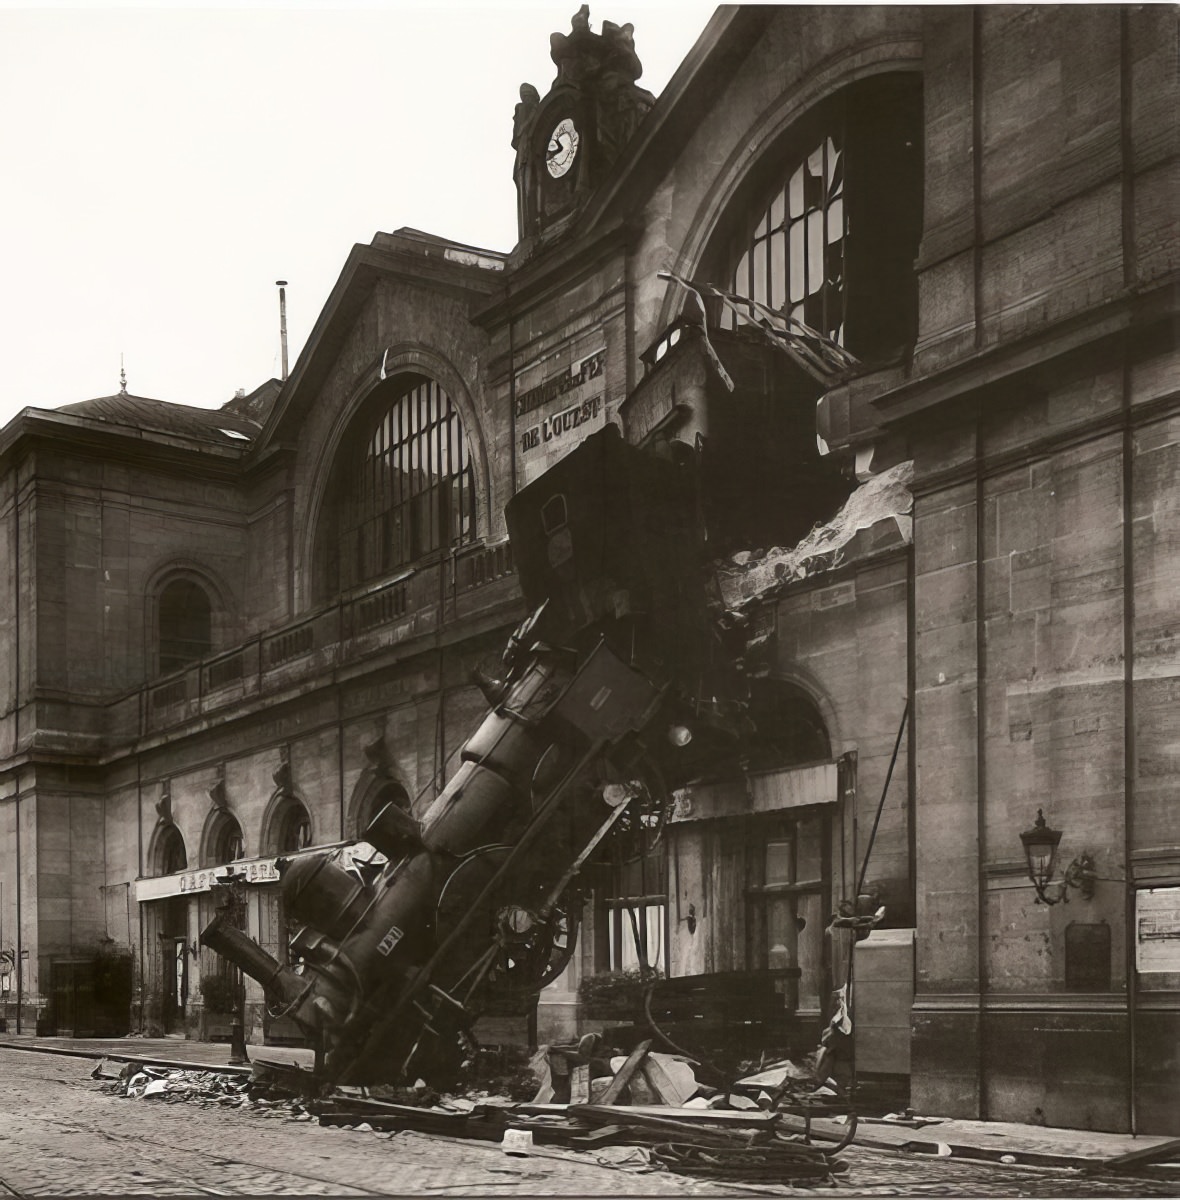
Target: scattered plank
<point>1138,1158</point>
<point>623,1075</point>
<point>580,1084</point>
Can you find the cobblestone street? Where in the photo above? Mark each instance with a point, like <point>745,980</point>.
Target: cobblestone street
<point>61,1135</point>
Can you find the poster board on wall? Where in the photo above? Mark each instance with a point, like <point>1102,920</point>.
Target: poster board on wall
<point>1157,929</point>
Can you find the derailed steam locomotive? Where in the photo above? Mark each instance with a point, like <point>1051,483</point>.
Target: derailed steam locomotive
<point>610,694</point>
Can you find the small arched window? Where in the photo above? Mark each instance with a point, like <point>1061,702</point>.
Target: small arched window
<point>226,843</point>
<point>411,486</point>
<point>389,792</point>
<point>171,856</point>
<point>184,624</point>
<point>292,830</point>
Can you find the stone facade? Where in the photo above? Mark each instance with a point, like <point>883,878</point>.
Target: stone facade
<point>999,255</point>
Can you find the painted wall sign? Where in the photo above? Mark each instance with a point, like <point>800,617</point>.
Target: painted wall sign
<point>556,413</point>
<point>258,870</point>
<point>1157,929</point>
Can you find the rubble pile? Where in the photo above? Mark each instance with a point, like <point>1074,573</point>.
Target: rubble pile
<point>141,1081</point>
<point>646,1106</point>
<point>643,1110</point>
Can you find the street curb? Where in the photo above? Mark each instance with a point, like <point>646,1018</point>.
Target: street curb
<point>176,1064</point>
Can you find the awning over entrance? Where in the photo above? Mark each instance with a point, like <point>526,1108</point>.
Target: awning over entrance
<point>764,792</point>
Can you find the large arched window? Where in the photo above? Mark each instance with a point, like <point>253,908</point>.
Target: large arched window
<point>184,624</point>
<point>826,227</point>
<point>794,261</point>
<point>411,486</point>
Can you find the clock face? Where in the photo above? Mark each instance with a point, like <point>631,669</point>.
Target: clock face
<point>562,149</point>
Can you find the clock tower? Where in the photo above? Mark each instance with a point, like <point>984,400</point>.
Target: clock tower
<point>567,142</point>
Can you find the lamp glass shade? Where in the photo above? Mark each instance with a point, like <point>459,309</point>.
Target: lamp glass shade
<point>1040,849</point>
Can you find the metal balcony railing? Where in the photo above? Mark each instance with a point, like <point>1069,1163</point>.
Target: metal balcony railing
<point>436,595</point>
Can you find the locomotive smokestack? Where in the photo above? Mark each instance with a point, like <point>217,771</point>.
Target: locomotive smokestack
<point>278,981</point>
<point>281,284</point>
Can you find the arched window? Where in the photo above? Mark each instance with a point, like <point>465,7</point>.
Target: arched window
<point>411,486</point>
<point>826,229</point>
<point>789,728</point>
<point>291,828</point>
<point>171,856</point>
<point>226,843</point>
<point>794,262</point>
<point>388,793</point>
<point>183,624</point>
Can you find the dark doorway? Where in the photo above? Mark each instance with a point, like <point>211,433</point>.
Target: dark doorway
<point>71,989</point>
<point>174,964</point>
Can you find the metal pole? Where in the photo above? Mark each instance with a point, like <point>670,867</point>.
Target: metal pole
<point>884,792</point>
<point>281,284</point>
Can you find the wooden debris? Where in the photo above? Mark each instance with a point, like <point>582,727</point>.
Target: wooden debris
<point>1138,1158</point>
<point>580,1084</point>
<point>672,1080</point>
<point>623,1076</point>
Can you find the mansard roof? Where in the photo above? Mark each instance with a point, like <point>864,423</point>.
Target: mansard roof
<point>143,413</point>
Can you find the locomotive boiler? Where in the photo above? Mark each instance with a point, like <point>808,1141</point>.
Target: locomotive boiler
<point>608,695</point>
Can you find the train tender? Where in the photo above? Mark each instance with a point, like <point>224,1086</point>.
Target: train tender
<point>610,693</point>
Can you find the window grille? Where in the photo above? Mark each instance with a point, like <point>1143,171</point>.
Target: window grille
<point>414,491</point>
<point>635,912</point>
<point>794,261</point>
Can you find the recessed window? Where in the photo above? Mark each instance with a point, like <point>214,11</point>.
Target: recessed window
<point>226,843</point>
<point>795,260</point>
<point>826,228</point>
<point>636,914</point>
<point>412,490</point>
<point>388,793</point>
<point>184,624</point>
<point>293,831</point>
<point>171,856</point>
<point>788,870</point>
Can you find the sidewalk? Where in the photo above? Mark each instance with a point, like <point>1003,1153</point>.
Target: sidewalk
<point>1030,1145</point>
<point>170,1051</point>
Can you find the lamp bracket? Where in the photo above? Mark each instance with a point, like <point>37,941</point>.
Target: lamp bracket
<point>1079,874</point>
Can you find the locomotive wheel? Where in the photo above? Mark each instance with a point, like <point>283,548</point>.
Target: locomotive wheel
<point>528,952</point>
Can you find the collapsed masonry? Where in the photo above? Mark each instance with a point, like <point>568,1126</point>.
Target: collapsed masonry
<point>747,577</point>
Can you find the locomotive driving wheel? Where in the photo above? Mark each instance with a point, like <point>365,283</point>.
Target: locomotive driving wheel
<point>519,944</point>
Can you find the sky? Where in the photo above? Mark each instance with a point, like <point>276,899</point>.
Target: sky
<point>163,166</point>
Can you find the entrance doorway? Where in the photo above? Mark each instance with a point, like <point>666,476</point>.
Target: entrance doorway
<point>176,993</point>
<point>173,976</point>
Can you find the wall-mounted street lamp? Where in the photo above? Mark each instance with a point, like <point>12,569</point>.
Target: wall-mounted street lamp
<point>1040,849</point>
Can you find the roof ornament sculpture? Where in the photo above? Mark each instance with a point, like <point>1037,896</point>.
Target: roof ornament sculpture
<point>122,377</point>
<point>581,55</point>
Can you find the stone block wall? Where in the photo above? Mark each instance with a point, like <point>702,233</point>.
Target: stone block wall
<point>844,640</point>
